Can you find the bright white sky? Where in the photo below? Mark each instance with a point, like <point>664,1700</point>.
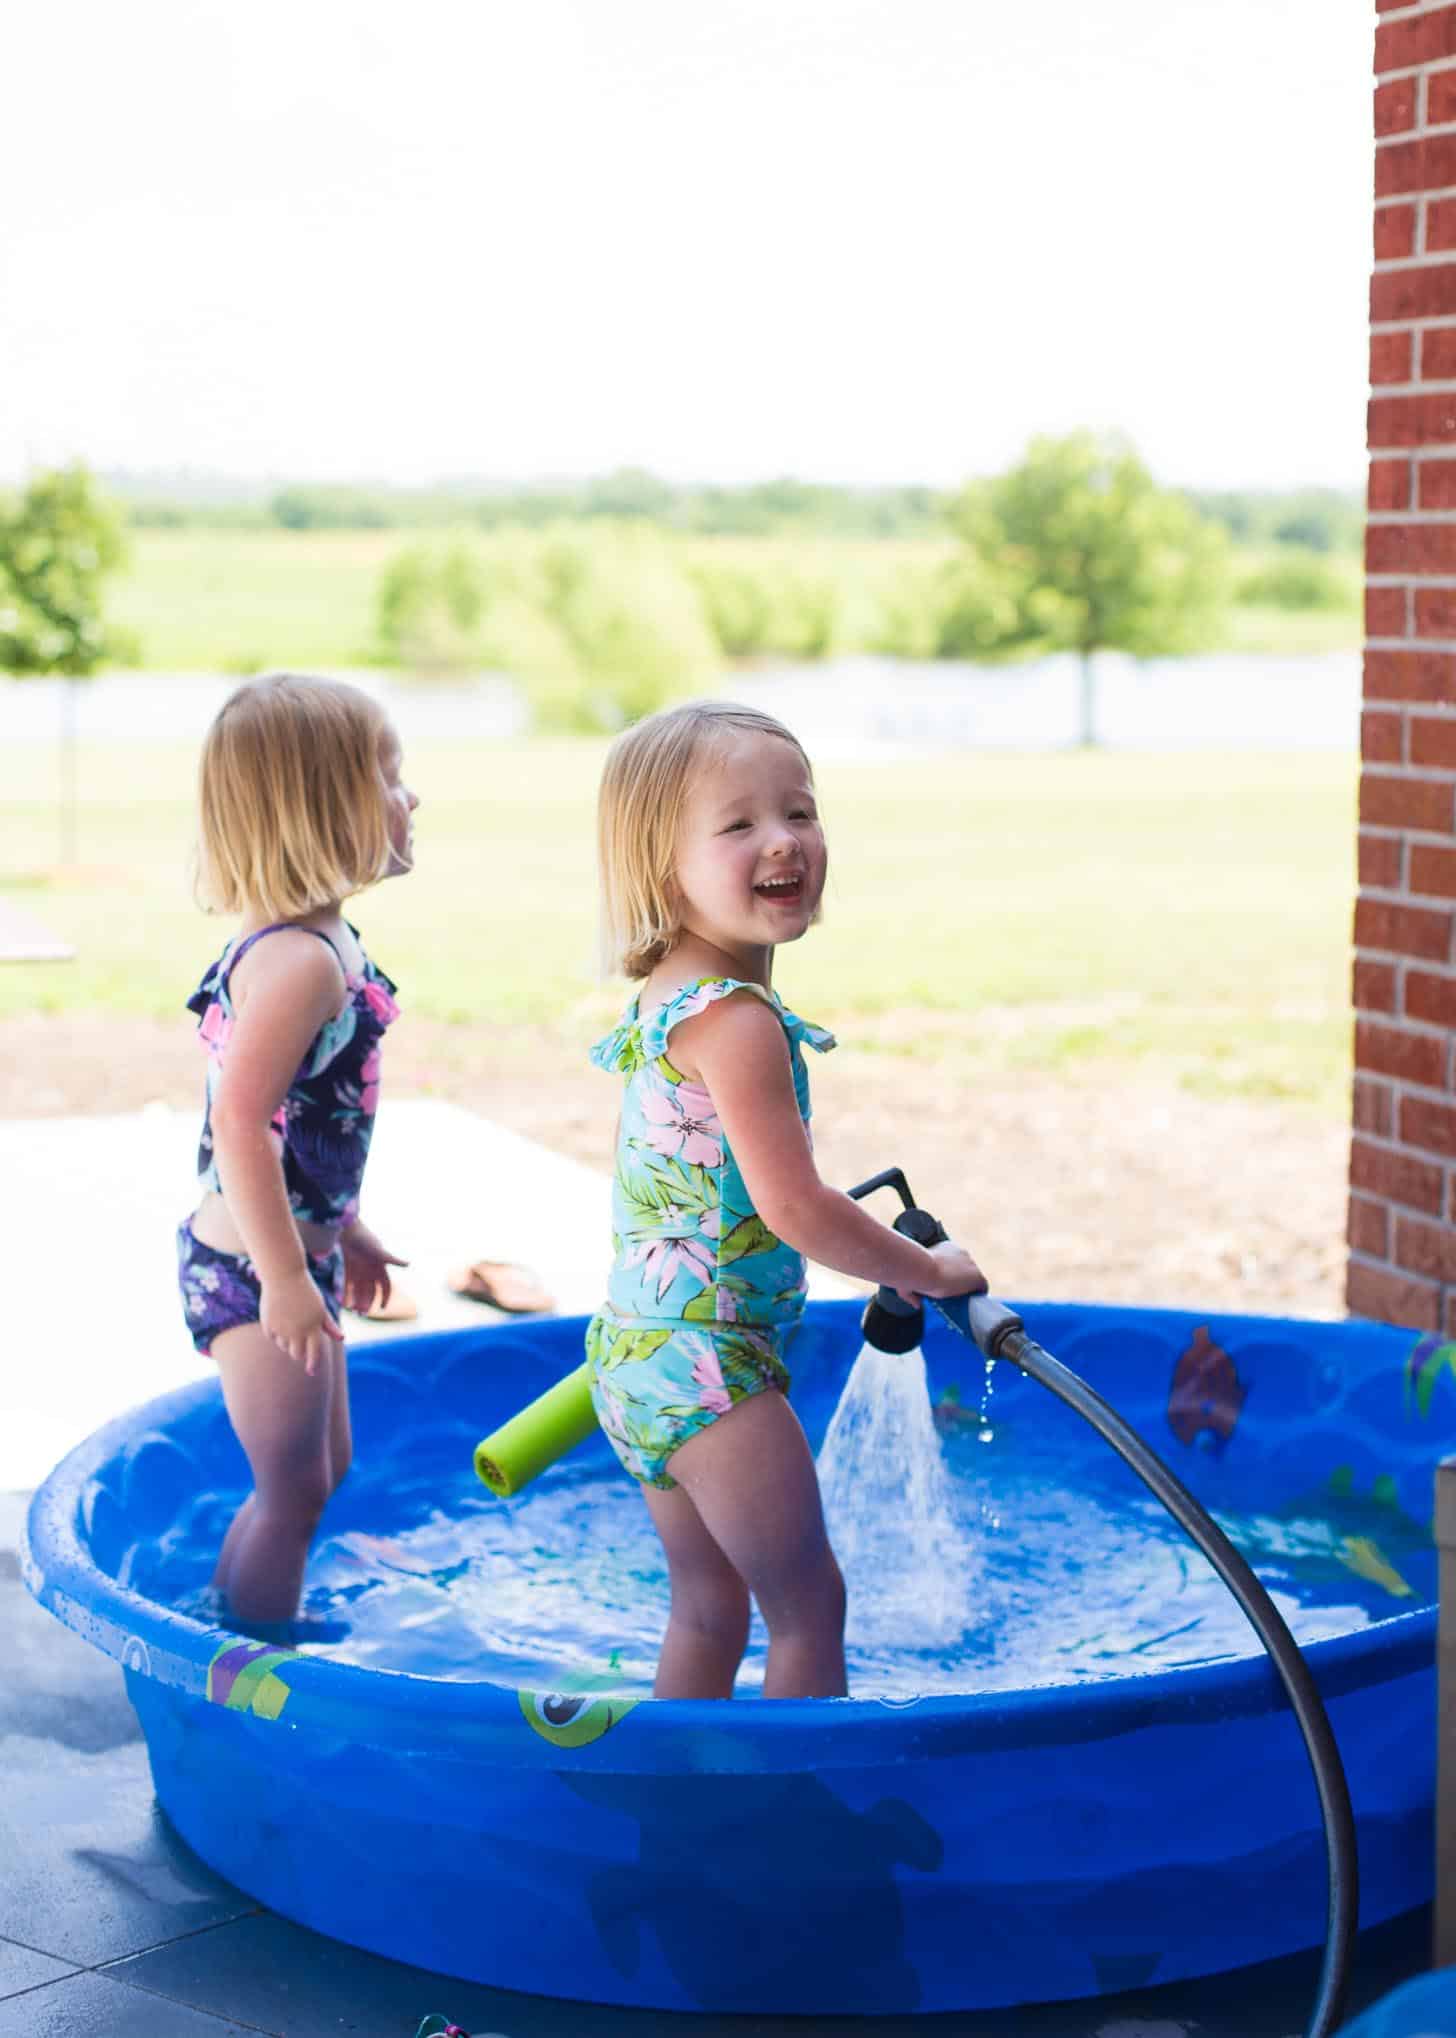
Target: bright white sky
<point>855,240</point>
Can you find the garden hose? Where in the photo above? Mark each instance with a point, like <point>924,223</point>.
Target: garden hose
<point>892,1324</point>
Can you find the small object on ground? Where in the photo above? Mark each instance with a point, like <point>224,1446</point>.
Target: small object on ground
<point>502,1286</point>
<point>396,1308</point>
<point>436,2027</point>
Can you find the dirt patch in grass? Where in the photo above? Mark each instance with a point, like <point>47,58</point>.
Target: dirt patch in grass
<point>1125,1189</point>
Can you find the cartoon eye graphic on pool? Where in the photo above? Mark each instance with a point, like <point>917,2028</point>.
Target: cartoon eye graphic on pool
<point>571,1719</point>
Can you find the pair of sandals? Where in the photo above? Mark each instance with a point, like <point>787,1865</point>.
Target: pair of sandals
<point>496,1284</point>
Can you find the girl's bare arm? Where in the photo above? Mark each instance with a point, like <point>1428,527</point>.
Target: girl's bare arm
<point>738,1048</point>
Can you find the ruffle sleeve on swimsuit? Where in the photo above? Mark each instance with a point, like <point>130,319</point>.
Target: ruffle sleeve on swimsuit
<point>638,1041</point>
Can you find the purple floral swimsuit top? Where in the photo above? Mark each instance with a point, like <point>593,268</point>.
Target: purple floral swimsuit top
<point>324,1124</point>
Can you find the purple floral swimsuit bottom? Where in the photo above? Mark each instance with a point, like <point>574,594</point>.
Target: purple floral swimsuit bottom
<point>221,1291</point>
<point>655,1382</point>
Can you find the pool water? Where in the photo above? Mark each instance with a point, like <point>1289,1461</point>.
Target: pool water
<point>976,1560</point>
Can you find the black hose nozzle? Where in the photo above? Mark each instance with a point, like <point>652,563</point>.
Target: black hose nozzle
<point>890,1323</point>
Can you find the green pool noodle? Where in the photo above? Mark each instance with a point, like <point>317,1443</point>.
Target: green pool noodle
<point>545,1430</point>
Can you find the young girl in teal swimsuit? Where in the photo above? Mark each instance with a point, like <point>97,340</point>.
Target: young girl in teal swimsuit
<point>711,856</point>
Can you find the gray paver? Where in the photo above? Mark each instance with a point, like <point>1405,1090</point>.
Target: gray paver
<point>21,1968</point>
<point>93,2006</point>
<point>92,1871</point>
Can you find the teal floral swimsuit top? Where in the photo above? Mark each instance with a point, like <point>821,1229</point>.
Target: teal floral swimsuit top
<point>688,1244</point>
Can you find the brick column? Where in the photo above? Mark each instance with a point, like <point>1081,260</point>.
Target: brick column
<point>1402,1224</point>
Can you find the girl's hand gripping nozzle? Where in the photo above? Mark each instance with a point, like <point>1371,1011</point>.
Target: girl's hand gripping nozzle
<point>891,1324</point>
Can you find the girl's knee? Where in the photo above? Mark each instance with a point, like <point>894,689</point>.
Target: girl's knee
<point>300,1500</point>
<point>810,1600</point>
<point>711,1603</point>
<point>339,1462</point>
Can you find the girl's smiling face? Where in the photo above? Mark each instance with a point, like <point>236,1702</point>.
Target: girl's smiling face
<point>751,858</point>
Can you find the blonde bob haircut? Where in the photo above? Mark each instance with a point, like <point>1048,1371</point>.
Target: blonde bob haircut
<point>644,786</point>
<point>292,808</point>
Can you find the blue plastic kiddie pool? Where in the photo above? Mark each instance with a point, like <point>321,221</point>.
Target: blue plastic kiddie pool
<point>455,1766</point>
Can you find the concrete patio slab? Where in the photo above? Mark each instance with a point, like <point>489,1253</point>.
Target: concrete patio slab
<point>24,938</point>
<point>92,1316</point>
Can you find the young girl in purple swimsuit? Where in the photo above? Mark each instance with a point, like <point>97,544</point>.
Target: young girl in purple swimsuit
<point>302,805</point>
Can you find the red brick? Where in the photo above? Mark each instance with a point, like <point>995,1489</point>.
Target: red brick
<point>1436,612</point>
<point>1425,676</point>
<point>1395,106</point>
<point>1426,420</point>
<point>1424,39</point>
<point>1438,354</point>
<point>1374,988</point>
<point>1398,1177</point>
<point>1423,1248</point>
<point>1422,291</point>
<point>1409,1057</point>
<point>1436,484</point>
<point>1390,484</point>
<point>1425,165</point>
<point>1440,225</point>
<point>1440,97</point>
<point>1392,358</point>
<point>1433,743</point>
<point>1425,1124</point>
<point>1395,232</point>
<point>1367,1228</point>
<point>1395,800</point>
<point>1371,1107</point>
<point>1385,611</point>
<point>1421,931</point>
<point>1390,1297</point>
<point>1411,548</point>
<point>1432,871</point>
<point>1381,738</point>
<point>1430,997</point>
<point>1380,862</point>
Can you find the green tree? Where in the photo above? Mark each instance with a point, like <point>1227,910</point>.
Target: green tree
<point>428,609</point>
<point>1099,557</point>
<point>59,541</point>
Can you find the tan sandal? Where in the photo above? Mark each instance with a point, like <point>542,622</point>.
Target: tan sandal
<point>499,1285</point>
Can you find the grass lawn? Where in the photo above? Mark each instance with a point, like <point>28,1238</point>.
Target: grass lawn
<point>1056,912</point>
<point>241,601</point>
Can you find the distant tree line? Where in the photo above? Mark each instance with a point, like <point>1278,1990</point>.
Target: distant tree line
<point>1313,519</point>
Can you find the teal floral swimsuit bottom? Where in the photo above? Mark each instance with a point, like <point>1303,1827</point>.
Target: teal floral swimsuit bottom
<point>655,1383</point>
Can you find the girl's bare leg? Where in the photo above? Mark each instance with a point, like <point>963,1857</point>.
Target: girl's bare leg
<point>751,1480</point>
<point>341,1433</point>
<point>707,1629</point>
<point>283,1419</point>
